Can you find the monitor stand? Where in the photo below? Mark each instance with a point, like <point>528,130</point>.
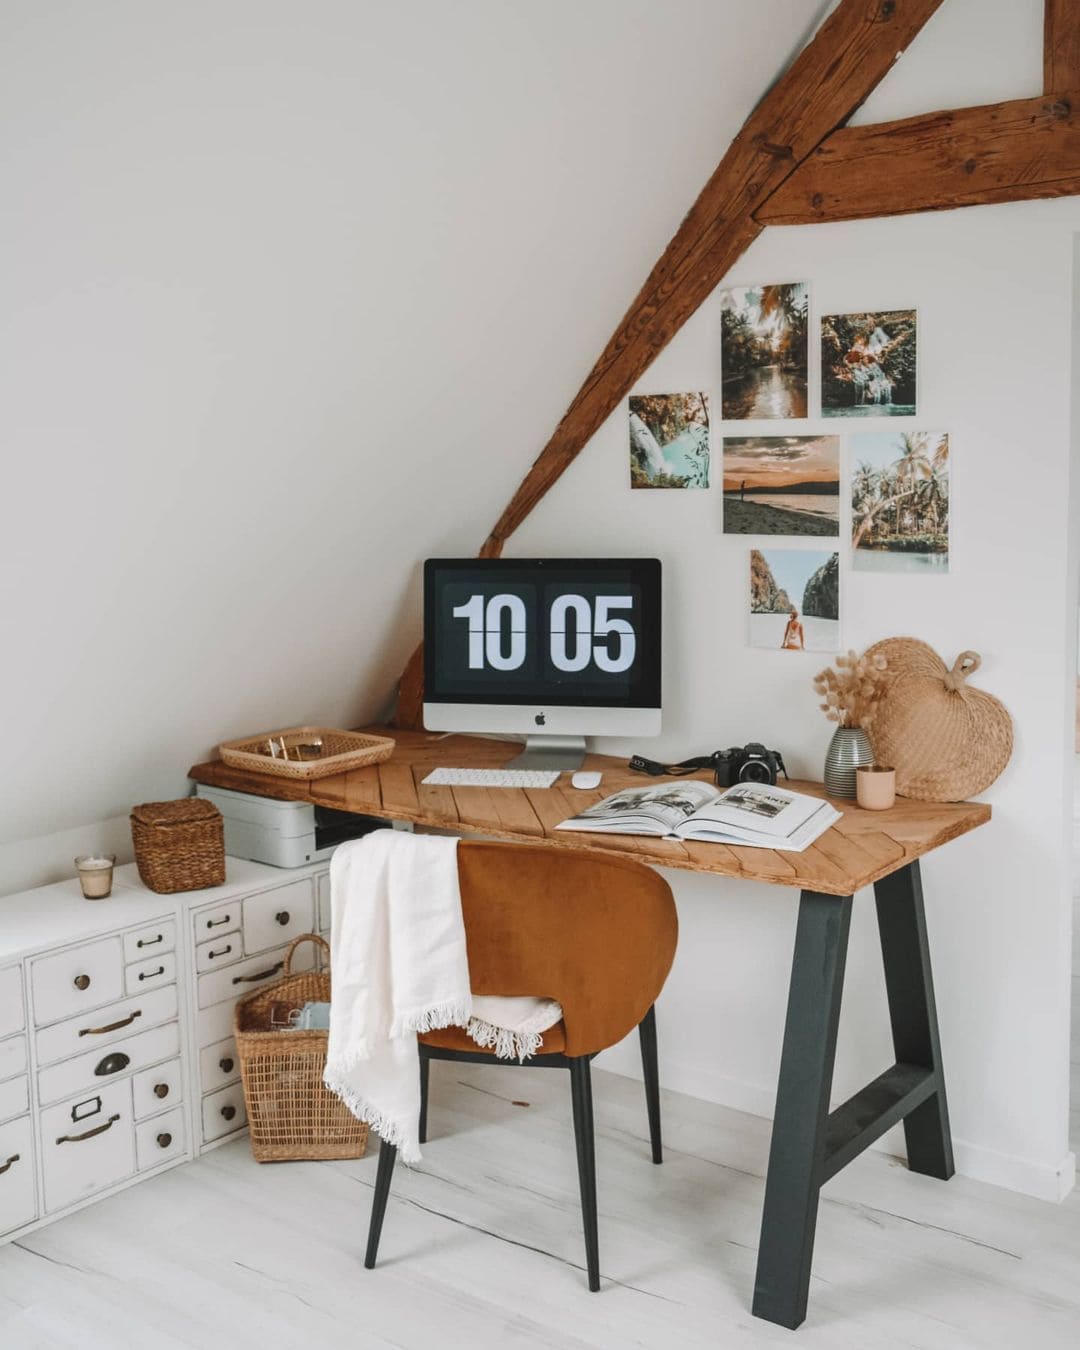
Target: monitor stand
<point>550,752</point>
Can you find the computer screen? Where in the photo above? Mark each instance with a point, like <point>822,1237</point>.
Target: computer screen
<point>564,644</point>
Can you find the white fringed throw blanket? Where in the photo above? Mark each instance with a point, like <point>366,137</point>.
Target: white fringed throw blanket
<point>399,966</point>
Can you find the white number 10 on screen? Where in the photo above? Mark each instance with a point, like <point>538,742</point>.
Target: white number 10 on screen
<point>572,617</point>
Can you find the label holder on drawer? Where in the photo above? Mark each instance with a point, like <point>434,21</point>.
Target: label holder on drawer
<point>77,1112</point>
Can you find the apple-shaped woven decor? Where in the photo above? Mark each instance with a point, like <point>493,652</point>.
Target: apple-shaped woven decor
<point>946,740</point>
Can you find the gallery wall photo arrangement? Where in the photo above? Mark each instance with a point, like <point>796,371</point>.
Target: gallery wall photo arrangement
<point>669,440</point>
<point>900,501</point>
<point>795,599</point>
<point>763,351</point>
<point>781,485</point>
<point>869,364</point>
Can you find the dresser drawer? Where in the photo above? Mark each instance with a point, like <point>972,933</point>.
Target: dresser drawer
<point>155,1089</point>
<point>11,1001</point>
<point>218,952</point>
<point>76,979</point>
<point>144,942</point>
<point>18,1203</point>
<point>214,922</point>
<point>14,1097</point>
<point>106,1025</point>
<point>98,1066</point>
<point>87,1144</point>
<point>149,974</point>
<point>218,1064</point>
<point>214,1024</point>
<point>223,1112</point>
<point>158,1140</point>
<point>218,985</point>
<point>12,1057</point>
<point>277,916</point>
<point>322,882</point>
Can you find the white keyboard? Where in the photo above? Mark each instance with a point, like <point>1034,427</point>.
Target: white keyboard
<point>497,778</point>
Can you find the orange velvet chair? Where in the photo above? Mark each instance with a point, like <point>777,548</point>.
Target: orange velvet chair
<point>595,932</point>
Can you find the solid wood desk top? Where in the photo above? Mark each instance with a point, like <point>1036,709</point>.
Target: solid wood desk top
<point>859,849</point>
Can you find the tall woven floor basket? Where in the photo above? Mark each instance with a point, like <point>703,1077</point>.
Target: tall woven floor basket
<point>292,1115</point>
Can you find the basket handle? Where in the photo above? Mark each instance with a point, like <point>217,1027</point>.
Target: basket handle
<point>304,937</point>
<point>967,663</point>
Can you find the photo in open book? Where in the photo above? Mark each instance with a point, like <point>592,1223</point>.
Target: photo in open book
<point>757,801</point>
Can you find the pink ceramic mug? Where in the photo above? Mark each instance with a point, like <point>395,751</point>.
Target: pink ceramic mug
<point>875,786</point>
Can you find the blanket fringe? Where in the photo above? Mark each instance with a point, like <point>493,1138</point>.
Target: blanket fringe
<point>453,1014</point>
<point>519,1045</point>
<point>384,1126</point>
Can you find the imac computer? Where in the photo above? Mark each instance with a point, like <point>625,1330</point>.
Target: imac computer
<point>555,648</point>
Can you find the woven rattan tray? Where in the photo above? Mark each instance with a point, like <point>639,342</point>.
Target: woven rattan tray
<point>336,752</point>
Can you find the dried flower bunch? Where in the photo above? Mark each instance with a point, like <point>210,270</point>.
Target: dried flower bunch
<point>850,692</point>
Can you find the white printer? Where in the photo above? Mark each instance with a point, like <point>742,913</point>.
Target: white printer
<point>283,834</point>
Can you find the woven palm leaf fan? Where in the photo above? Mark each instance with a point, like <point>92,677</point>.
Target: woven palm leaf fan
<point>946,740</point>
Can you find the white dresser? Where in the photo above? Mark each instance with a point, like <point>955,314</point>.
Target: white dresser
<point>116,1051</point>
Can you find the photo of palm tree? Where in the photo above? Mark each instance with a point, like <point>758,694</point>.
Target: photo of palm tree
<point>669,441</point>
<point>763,350</point>
<point>868,364</point>
<point>900,502</point>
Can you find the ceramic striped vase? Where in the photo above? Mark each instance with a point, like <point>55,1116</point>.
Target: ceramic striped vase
<point>849,747</point>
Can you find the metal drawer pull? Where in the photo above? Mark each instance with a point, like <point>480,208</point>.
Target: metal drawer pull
<point>151,974</point>
<point>224,952</point>
<point>113,1026</point>
<point>259,975</point>
<point>150,942</point>
<point>4,1167</point>
<point>164,1140</point>
<point>112,1064</point>
<point>161,1090</point>
<point>78,1138</point>
<point>282,917</point>
<point>82,981</point>
<point>216,923</point>
<point>228,1112</point>
<point>225,1065</point>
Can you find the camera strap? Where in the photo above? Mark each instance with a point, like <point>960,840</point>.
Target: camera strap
<point>640,764</point>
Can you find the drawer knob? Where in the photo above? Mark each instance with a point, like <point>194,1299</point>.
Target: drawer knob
<point>228,1112</point>
<point>226,1064</point>
<point>82,981</point>
<point>112,1064</point>
<point>282,916</point>
<point>161,1090</point>
<point>164,1139</point>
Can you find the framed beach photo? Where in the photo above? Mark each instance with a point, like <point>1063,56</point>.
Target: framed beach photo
<point>900,500</point>
<point>869,364</point>
<point>669,440</point>
<point>781,485</point>
<point>764,351</point>
<point>795,600</point>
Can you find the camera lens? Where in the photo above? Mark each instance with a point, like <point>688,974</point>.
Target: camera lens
<point>754,771</point>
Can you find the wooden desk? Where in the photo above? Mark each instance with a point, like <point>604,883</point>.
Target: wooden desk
<point>810,1143</point>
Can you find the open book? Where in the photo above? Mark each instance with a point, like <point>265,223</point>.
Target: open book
<point>754,814</point>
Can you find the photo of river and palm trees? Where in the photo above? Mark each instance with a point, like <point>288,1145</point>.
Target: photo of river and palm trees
<point>900,502</point>
<point>868,364</point>
<point>763,351</point>
<point>669,441</point>
<point>782,485</point>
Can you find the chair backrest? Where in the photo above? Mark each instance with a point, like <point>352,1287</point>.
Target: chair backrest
<point>595,932</point>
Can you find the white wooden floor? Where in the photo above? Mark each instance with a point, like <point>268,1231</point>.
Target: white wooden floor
<point>482,1245</point>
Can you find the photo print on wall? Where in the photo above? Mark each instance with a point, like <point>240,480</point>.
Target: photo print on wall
<point>868,364</point>
<point>763,351</point>
<point>781,485</point>
<point>669,440</point>
<point>900,501</point>
<point>795,600</point>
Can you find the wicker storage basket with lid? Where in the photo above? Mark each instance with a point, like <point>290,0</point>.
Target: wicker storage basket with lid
<point>946,740</point>
<point>179,846</point>
<point>291,1113</point>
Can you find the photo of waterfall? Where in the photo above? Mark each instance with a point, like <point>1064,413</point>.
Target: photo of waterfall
<point>795,600</point>
<point>868,364</point>
<point>900,502</point>
<point>669,441</point>
<point>781,484</point>
<point>763,351</point>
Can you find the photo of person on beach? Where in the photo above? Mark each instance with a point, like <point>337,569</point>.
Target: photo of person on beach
<point>782,485</point>
<point>795,600</point>
<point>763,350</point>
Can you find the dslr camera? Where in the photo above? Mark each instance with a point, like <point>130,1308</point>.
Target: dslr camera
<point>750,763</point>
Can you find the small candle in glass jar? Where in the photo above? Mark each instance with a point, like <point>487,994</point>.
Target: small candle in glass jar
<point>95,873</point>
<point>875,786</point>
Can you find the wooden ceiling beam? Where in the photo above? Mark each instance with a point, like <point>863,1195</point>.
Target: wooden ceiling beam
<point>1003,152</point>
<point>1061,46</point>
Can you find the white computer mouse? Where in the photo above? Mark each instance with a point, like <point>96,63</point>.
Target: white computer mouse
<point>584,778</point>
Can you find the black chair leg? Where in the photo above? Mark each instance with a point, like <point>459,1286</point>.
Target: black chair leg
<point>651,1072</point>
<point>387,1154</point>
<point>581,1093</point>
<point>425,1064</point>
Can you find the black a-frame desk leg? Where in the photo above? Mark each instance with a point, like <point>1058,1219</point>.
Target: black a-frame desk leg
<point>810,1144</point>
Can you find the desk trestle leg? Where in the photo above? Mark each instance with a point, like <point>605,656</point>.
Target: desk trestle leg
<point>810,1144</point>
